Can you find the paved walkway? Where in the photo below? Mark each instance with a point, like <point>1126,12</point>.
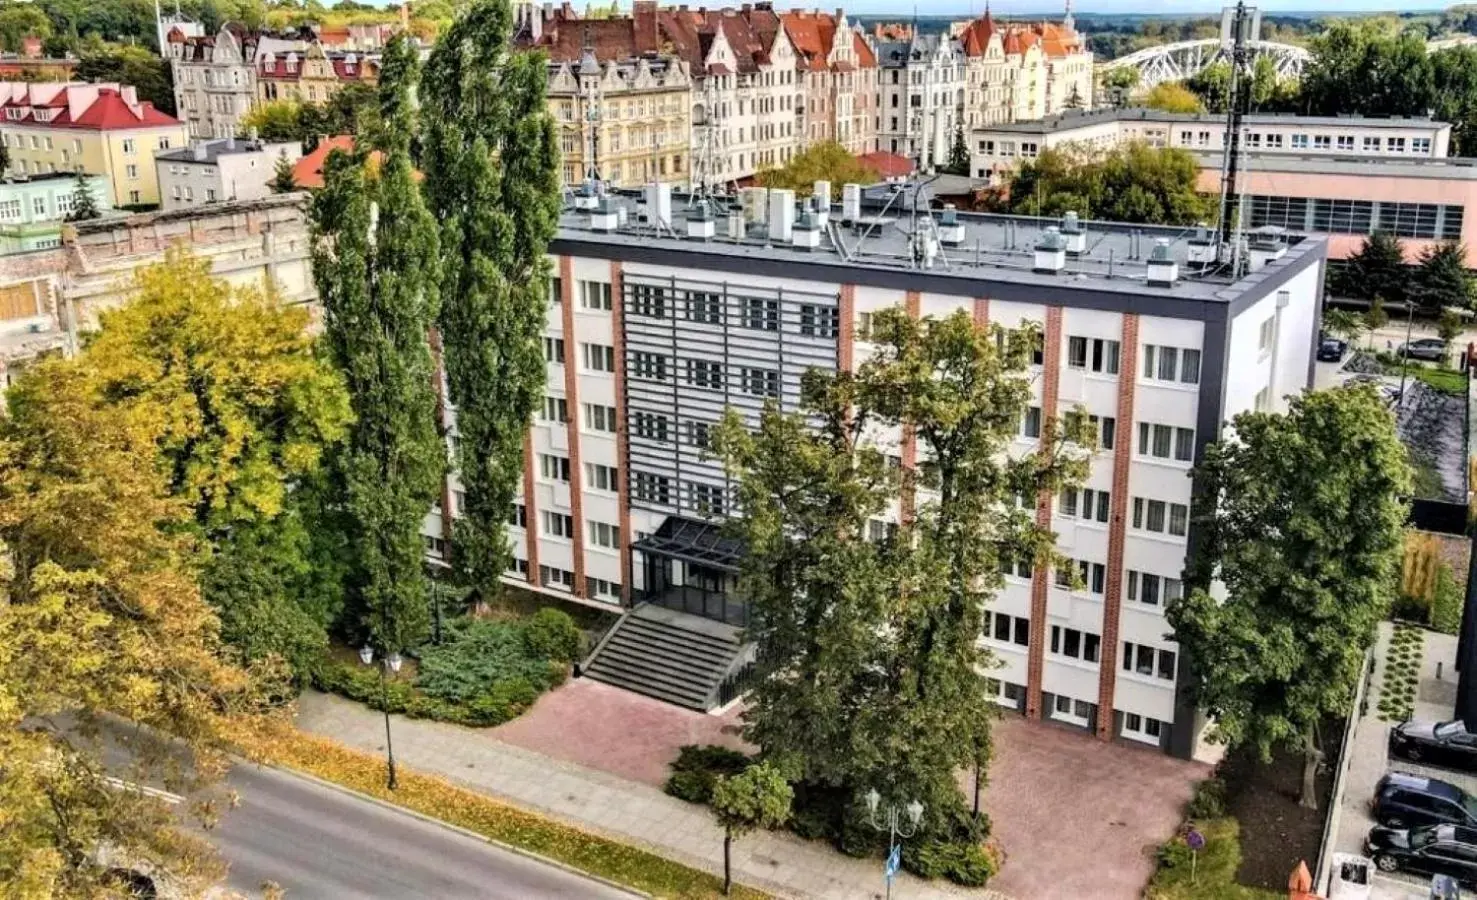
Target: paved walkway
<point>616,807</point>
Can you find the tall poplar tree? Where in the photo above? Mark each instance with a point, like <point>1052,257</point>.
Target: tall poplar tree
<point>492,182</point>
<point>374,261</point>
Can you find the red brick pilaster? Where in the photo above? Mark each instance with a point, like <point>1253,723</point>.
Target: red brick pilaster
<point>530,506</point>
<point>910,438</point>
<point>846,337</point>
<point>1113,590</point>
<point>618,329</point>
<point>1041,576</point>
<point>981,312</point>
<point>572,426</point>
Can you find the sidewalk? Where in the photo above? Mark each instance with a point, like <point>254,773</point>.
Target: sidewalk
<point>628,811</point>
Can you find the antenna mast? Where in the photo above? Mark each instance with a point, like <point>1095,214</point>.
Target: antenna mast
<point>594,98</point>
<point>1239,25</point>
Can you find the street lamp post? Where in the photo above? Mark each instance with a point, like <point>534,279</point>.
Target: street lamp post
<point>892,822</point>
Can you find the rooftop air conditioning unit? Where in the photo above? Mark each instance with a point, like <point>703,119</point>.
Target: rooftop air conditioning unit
<point>951,230</point>
<point>781,214</point>
<point>1051,251</point>
<point>587,195</point>
<point>1201,247</point>
<point>1265,246</point>
<point>700,224</point>
<point>1075,234</point>
<point>659,204</point>
<point>738,225</point>
<point>1162,269</point>
<point>755,201</point>
<point>851,203</point>
<point>605,216</point>
<point>807,231</point>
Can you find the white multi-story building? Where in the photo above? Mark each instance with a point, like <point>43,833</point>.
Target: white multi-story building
<point>215,81</point>
<point>651,336</point>
<point>997,149</point>
<point>220,171</point>
<point>921,95</point>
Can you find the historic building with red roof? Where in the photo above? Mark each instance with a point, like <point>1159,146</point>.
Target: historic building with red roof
<point>838,72</point>
<point>100,129</point>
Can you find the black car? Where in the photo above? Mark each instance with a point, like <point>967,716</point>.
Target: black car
<point>1431,850</point>
<point>1331,349</point>
<point>1439,743</point>
<point>1409,801</point>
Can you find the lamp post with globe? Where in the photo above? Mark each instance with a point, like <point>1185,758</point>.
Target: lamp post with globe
<point>900,823</point>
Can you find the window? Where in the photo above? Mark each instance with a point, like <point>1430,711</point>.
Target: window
<point>554,350</point>
<point>599,358</point>
<point>649,425</point>
<point>1068,710</point>
<point>599,417</point>
<point>1322,141</point>
<point>761,382</point>
<point>1264,334</point>
<point>434,545</point>
<point>601,478</point>
<point>130,146</point>
<point>210,195</point>
<point>1300,142</point>
<point>1141,659</point>
<point>1263,400</point>
<point>1274,142</point>
<point>880,530</point>
<point>864,326</point>
<point>595,295</point>
<point>1074,644</point>
<point>819,321</point>
<point>1171,364</point>
<point>600,589</point>
<point>705,373</point>
<point>652,488</point>
<point>1166,442</point>
<point>761,314</point>
<point>1142,728</point>
<point>556,409</point>
<point>1031,422</point>
<point>647,300</point>
<point>1346,142</point>
<point>1018,565</point>
<point>1420,145</point>
<point>517,516</point>
<point>1371,144</point>
<point>559,579</point>
<point>652,366</point>
<point>1008,629</point>
<point>553,468</point>
<point>705,307</point>
<point>556,290</point>
<point>603,534</point>
<point>557,524</point>
<point>1103,428</point>
<point>131,171</point>
<point>10,211</point>
<point>1082,576</point>
<point>699,434</point>
<point>1160,517</point>
<point>1153,590</point>
<point>1343,216</point>
<point>1397,145</point>
<point>708,498</point>
<point>38,207</point>
<point>1093,354</point>
<point>1088,505</point>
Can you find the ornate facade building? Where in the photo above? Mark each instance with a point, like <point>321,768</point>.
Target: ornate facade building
<point>837,100</point>
<point>214,79</point>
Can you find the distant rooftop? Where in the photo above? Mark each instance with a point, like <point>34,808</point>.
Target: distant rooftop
<point>1113,257</point>
<point>1072,119</point>
<point>1450,167</point>
<point>212,150</point>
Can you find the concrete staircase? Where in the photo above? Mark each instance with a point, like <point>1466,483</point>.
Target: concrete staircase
<point>668,655</point>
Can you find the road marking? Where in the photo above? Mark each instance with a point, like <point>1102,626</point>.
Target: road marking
<point>156,793</point>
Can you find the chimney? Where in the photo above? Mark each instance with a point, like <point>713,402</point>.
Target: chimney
<point>643,15</point>
<point>1051,252</point>
<point>1163,270</point>
<point>231,142</point>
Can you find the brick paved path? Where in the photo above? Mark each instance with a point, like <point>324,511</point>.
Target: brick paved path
<point>628,811</point>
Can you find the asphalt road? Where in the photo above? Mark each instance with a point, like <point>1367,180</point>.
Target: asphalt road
<point>316,842</point>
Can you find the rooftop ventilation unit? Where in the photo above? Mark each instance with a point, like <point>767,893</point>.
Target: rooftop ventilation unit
<point>1051,251</point>
<point>755,201</point>
<point>1162,270</point>
<point>1075,234</point>
<point>738,225</point>
<point>700,224</point>
<point>604,216</point>
<point>851,203</point>
<point>587,195</point>
<point>807,231</point>
<point>951,230</point>
<point>659,204</point>
<point>781,214</point>
<point>1201,247</point>
<point>820,205</point>
<point>821,192</point>
<point>1266,245</point>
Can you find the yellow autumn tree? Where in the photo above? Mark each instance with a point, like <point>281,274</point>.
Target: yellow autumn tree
<point>101,618</point>
<point>824,161</point>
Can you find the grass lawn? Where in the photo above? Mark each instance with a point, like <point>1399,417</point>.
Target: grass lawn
<point>459,806</point>
<point>1213,875</point>
<point>1447,381</point>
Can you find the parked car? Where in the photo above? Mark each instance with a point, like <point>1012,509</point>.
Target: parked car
<point>1433,349</point>
<point>1429,850</point>
<point>1439,743</point>
<point>1409,801</point>
<point>1331,349</point>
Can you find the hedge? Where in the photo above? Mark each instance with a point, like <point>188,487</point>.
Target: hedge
<point>440,799</point>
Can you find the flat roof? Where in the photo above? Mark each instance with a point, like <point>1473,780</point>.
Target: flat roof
<point>995,248</point>
<point>213,151</point>
<point>1071,120</point>
<point>1448,168</point>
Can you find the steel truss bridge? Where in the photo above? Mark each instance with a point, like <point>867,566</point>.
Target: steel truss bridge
<point>1186,59</point>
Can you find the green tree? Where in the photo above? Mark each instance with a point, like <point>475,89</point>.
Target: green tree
<point>84,202</point>
<point>374,261</point>
<point>275,121</point>
<point>1375,317</point>
<point>1449,325</point>
<point>758,797</point>
<point>492,180</point>
<point>1132,183</point>
<point>1378,269</point>
<point>1173,97</point>
<point>1442,278</point>
<point>133,65</point>
<point>870,673</point>
<point>1303,523</point>
<point>1359,68</point>
<point>823,161</point>
<point>1342,323</point>
<point>1212,85</point>
<point>958,153</point>
<point>283,180</point>
<point>19,21</point>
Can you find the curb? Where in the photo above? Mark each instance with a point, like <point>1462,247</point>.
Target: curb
<point>465,832</point>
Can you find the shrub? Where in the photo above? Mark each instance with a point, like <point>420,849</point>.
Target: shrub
<point>962,862</point>
<point>551,634</point>
<point>698,766</point>
<point>1175,854</point>
<point>694,787</point>
<point>815,813</point>
<point>1209,800</point>
<point>480,654</point>
<point>1446,606</point>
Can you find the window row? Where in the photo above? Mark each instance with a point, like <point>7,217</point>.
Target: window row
<point>1081,575</point>
<point>709,499</point>
<point>1151,662</point>
<point>1166,442</point>
<point>707,307</point>
<point>1171,364</point>
<point>1087,504</point>
<point>1008,629</point>
<point>1074,644</point>
<point>1161,517</point>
